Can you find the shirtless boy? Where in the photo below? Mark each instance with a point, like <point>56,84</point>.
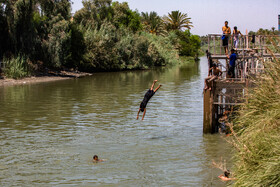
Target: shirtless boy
<point>226,32</point>
<point>216,73</point>
<point>149,94</point>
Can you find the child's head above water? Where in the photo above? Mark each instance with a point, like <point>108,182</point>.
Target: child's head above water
<point>227,173</point>
<point>95,157</point>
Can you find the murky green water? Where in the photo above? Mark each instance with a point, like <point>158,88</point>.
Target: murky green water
<point>50,131</point>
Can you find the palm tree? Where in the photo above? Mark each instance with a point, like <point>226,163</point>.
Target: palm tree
<point>273,29</point>
<point>152,23</point>
<point>177,21</point>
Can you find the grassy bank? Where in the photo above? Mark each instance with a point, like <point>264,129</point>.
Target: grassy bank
<point>257,130</point>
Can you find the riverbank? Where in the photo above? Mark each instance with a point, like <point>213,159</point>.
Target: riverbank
<point>48,77</point>
<point>52,75</point>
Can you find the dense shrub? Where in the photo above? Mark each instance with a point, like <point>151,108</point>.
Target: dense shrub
<point>258,129</point>
<point>17,67</point>
<point>189,44</point>
<point>163,49</point>
<point>110,48</point>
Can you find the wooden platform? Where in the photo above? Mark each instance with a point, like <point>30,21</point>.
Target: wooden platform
<point>224,57</point>
<point>220,84</point>
<point>226,94</point>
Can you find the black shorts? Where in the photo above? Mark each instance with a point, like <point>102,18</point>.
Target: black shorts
<point>225,41</point>
<point>231,72</point>
<point>143,106</point>
<point>210,63</point>
<point>146,99</point>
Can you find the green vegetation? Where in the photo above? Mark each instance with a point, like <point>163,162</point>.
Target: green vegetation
<point>177,20</point>
<point>17,67</point>
<point>257,131</point>
<point>189,44</point>
<point>152,23</point>
<point>262,31</point>
<point>102,36</point>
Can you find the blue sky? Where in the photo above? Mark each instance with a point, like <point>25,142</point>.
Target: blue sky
<point>208,16</point>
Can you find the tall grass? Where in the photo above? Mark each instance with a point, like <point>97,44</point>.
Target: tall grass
<point>257,130</point>
<point>17,67</point>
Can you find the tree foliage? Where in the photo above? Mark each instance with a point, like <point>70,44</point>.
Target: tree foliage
<point>102,36</point>
<point>189,44</point>
<point>125,17</point>
<point>153,23</point>
<point>262,31</point>
<point>177,20</point>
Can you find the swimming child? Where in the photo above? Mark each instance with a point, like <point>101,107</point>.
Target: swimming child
<point>225,177</point>
<point>96,159</point>
<point>149,94</point>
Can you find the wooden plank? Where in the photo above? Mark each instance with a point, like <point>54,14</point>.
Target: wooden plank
<point>231,104</point>
<point>277,55</point>
<point>224,57</point>
<point>221,85</point>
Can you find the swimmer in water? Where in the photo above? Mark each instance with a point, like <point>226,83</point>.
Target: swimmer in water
<point>149,94</point>
<point>225,177</point>
<point>96,159</point>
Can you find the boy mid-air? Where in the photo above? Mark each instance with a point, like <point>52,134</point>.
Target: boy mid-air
<point>149,94</point>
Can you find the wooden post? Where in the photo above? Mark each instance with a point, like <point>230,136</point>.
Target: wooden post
<point>214,45</point>
<point>209,44</point>
<point>207,114</point>
<point>247,40</point>
<point>214,108</point>
<point>210,115</point>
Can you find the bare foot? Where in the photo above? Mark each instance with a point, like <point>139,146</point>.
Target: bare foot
<point>155,81</point>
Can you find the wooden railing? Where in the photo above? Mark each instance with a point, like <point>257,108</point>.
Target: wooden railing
<point>246,42</point>
<point>251,55</point>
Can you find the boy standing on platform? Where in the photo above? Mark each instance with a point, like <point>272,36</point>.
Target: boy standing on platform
<point>232,63</point>
<point>226,33</point>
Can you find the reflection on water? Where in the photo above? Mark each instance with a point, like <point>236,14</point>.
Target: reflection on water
<point>50,131</point>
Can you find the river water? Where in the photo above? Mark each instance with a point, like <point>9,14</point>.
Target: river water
<point>50,131</point>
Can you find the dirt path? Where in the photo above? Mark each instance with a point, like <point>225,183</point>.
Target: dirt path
<point>53,76</point>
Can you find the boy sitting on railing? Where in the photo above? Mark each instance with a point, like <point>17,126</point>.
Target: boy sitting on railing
<point>216,73</point>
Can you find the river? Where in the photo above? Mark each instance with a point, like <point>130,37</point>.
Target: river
<point>49,132</point>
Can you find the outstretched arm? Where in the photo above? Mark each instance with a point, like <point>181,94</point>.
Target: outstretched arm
<point>144,113</point>
<point>157,88</point>
<point>138,113</point>
<point>152,87</point>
